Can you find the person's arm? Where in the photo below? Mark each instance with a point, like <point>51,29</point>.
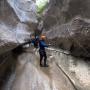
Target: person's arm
<point>44,44</point>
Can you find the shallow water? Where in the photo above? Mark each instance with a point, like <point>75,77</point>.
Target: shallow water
<point>76,68</point>
<point>30,76</point>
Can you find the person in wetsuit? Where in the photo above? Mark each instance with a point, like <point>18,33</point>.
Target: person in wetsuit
<point>35,41</point>
<point>42,52</point>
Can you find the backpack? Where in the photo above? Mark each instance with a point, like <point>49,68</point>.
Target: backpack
<point>36,43</point>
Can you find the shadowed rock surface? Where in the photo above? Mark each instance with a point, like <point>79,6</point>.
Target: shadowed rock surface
<point>73,36</point>
<point>67,23</point>
<point>7,67</point>
<point>62,11</point>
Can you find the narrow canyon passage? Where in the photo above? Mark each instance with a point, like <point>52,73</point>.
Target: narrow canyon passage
<point>65,25</point>
<point>30,76</point>
<point>62,74</point>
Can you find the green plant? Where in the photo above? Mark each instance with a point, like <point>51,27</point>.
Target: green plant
<point>41,5</point>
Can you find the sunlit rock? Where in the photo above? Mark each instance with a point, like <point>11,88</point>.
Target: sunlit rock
<point>12,37</point>
<point>14,18</point>
<point>25,10</point>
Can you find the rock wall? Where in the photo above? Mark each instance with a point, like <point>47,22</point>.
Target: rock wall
<point>7,67</point>
<point>67,24</point>
<point>16,19</point>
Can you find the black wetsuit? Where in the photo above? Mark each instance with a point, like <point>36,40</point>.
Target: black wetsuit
<point>42,52</point>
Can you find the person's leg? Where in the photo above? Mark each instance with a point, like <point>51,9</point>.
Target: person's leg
<point>41,57</point>
<point>45,59</point>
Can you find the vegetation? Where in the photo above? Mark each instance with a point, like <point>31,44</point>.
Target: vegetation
<point>41,4</point>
